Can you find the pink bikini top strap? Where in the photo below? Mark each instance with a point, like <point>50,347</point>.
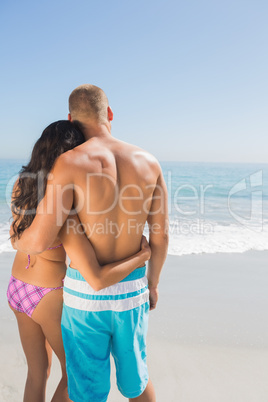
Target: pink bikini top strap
<point>29,261</point>
<point>50,248</point>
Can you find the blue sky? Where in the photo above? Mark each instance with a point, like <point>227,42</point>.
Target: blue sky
<point>187,80</point>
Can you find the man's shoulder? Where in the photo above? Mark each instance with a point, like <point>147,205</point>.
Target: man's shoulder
<point>79,158</point>
<point>140,154</point>
<point>146,156</point>
<point>146,159</point>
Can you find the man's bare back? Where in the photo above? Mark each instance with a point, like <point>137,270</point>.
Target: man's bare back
<point>118,181</point>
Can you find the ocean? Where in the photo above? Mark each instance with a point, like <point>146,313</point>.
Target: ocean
<point>213,207</point>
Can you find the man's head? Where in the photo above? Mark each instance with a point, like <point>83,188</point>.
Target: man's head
<point>88,103</point>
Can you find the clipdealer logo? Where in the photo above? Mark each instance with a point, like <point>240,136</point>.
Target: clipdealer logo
<point>253,183</point>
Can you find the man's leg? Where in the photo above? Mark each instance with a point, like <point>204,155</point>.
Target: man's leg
<point>147,396</point>
<point>86,340</point>
<point>86,333</point>
<point>129,352</point>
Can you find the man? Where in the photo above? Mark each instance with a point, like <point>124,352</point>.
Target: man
<point>115,188</point>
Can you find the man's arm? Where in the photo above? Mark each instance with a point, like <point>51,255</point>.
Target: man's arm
<point>158,237</point>
<point>52,211</point>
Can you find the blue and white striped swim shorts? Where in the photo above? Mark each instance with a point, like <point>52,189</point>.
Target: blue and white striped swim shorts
<point>95,324</point>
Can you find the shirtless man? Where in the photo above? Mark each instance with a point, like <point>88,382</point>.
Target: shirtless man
<point>115,188</point>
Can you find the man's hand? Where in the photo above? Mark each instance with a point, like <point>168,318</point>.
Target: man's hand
<point>153,297</point>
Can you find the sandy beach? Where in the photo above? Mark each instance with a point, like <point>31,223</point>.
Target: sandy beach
<point>208,338</point>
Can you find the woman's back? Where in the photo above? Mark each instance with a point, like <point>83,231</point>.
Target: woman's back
<point>46,269</point>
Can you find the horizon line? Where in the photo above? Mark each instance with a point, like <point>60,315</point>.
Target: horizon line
<point>168,161</point>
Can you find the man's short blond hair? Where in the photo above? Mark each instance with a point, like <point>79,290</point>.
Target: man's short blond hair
<point>88,102</point>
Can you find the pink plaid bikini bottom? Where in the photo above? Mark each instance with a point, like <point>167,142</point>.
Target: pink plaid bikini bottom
<point>24,297</point>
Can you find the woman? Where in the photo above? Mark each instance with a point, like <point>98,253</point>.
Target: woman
<point>35,287</point>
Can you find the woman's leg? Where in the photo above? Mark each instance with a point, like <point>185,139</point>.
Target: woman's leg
<point>48,315</point>
<point>38,355</point>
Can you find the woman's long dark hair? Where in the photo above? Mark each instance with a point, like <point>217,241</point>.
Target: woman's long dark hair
<point>56,139</point>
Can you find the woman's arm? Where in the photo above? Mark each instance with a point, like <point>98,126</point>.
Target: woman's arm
<point>79,248</point>
<point>14,216</point>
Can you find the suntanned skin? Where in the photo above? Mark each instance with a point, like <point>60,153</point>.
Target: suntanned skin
<point>126,189</point>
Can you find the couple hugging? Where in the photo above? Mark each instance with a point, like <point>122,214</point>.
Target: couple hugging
<point>87,195</point>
